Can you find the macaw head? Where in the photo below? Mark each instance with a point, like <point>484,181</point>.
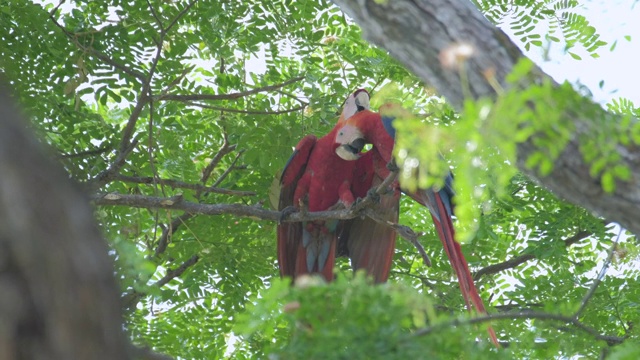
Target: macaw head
<point>356,102</point>
<point>367,127</point>
<point>351,136</point>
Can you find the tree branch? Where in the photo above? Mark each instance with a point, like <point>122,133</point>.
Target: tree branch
<point>610,339</point>
<point>231,96</point>
<point>521,259</point>
<point>224,150</point>
<point>179,16</point>
<point>155,16</point>
<point>89,50</point>
<point>176,184</point>
<point>107,175</point>
<point>178,203</point>
<point>167,232</point>
<point>423,33</point>
<point>405,232</point>
<point>97,151</point>
<point>228,170</point>
<point>248,112</point>
<point>598,279</point>
<point>129,300</point>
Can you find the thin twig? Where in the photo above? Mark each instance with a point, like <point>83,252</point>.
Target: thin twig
<point>518,260</point>
<point>155,16</point>
<point>301,102</point>
<point>180,15</point>
<point>598,279</point>
<point>176,184</point>
<point>168,232</point>
<point>231,96</point>
<point>224,150</point>
<point>610,339</point>
<point>97,151</point>
<point>229,169</point>
<point>91,51</point>
<point>129,300</point>
<point>248,112</point>
<point>109,173</point>
<point>55,9</point>
<point>177,80</point>
<point>404,231</point>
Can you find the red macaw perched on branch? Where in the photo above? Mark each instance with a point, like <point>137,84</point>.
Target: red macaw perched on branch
<point>316,176</point>
<point>376,129</point>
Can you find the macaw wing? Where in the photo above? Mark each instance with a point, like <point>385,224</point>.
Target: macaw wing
<point>369,244</point>
<point>290,234</point>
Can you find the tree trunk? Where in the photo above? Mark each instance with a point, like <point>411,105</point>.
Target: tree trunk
<point>420,33</point>
<point>58,298</point>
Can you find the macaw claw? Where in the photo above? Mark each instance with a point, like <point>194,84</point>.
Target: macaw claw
<point>286,212</point>
<point>392,166</point>
<point>373,195</point>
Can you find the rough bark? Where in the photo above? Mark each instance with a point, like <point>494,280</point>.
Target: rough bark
<point>419,33</point>
<point>58,298</point>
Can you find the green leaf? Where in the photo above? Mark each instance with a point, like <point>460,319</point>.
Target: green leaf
<point>575,56</point>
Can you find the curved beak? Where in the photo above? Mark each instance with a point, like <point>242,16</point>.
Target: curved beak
<point>362,100</point>
<point>352,150</point>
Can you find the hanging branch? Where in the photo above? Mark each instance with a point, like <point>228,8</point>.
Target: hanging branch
<point>129,300</point>
<point>521,259</point>
<point>598,279</point>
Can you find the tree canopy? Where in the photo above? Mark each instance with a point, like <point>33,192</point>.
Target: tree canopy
<point>177,117</point>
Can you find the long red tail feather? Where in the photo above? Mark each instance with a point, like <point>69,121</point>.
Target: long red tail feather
<point>459,264</point>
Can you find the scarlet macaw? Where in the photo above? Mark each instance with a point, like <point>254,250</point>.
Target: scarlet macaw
<point>317,176</point>
<point>377,129</point>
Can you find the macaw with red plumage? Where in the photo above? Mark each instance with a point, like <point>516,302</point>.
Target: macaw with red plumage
<point>318,178</point>
<point>377,129</point>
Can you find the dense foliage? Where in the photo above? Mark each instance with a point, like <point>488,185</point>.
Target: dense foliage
<point>202,101</point>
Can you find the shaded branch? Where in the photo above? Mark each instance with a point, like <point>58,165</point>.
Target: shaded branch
<point>610,339</point>
<point>405,232</point>
<point>224,150</point>
<point>176,184</point>
<point>107,175</point>
<point>178,79</point>
<point>598,279</point>
<point>167,232</point>
<point>521,259</point>
<point>178,203</point>
<point>129,300</point>
<point>179,16</point>
<point>292,96</point>
<point>248,112</point>
<point>97,151</point>
<point>231,96</point>
<point>229,169</point>
<point>91,51</point>
<point>155,16</point>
